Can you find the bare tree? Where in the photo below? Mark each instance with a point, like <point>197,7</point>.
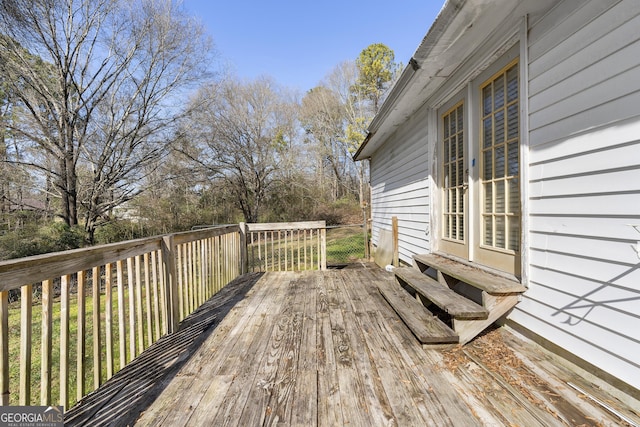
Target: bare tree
<point>324,117</point>
<point>106,98</point>
<point>241,133</point>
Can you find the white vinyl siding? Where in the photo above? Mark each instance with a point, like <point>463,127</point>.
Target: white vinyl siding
<point>584,183</point>
<point>400,187</point>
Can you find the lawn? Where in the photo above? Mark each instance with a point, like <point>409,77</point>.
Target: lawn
<point>90,330</point>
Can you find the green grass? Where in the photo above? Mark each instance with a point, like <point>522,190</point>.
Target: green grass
<point>36,324</point>
<point>345,245</point>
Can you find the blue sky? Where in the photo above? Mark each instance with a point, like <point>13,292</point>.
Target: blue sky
<point>299,42</point>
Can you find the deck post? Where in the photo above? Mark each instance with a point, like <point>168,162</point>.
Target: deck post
<point>4,351</point>
<point>171,285</point>
<point>365,231</point>
<point>394,230</point>
<point>323,246</point>
<point>243,248</point>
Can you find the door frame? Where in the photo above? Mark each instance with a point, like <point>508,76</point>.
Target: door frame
<point>470,95</point>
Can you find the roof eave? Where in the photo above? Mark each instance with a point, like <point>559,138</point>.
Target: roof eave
<point>431,39</point>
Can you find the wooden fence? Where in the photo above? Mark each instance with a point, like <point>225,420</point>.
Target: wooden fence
<point>84,314</point>
<point>100,307</point>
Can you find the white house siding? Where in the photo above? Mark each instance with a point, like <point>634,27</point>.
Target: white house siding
<point>400,187</point>
<point>584,188</point>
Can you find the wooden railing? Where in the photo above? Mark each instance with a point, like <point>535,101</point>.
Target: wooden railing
<point>98,308</point>
<point>84,314</point>
<point>289,246</point>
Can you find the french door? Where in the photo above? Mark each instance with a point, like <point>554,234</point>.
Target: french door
<point>481,216</point>
<point>455,183</point>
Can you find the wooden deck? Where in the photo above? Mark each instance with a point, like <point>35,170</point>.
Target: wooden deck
<point>324,348</point>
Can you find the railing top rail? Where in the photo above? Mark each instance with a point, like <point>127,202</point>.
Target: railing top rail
<point>306,225</point>
<point>203,233</point>
<point>18,272</point>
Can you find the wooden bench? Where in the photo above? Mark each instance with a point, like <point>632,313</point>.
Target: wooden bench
<point>457,306</point>
<point>424,325</point>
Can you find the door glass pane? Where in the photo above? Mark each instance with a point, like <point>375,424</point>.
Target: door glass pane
<point>513,121</point>
<point>499,196</point>
<point>445,126</point>
<point>454,201</point>
<point>452,123</point>
<point>488,197</point>
<point>500,156</point>
<point>447,225</point>
<point>445,150</point>
<point>499,124</point>
<point>452,148</point>
<point>512,84</point>
<point>486,100</point>
<point>500,232</point>
<point>514,195</point>
<point>487,238</point>
<point>453,185</point>
<point>513,167</point>
<point>499,161</point>
<point>487,137</point>
<point>498,93</point>
<point>514,234</point>
<point>488,165</point>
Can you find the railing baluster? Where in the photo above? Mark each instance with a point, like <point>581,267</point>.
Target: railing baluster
<point>179,269</point>
<point>218,263</point>
<point>46,345</point>
<point>4,342</point>
<point>108,316</point>
<point>64,340</point>
<point>203,273</point>
<point>156,303</point>
<point>97,342</point>
<point>122,327</point>
<point>139,313</point>
<point>80,342</point>
<point>26,300</point>
<point>132,310</point>
<point>191,286</point>
<point>147,294</point>
<point>298,247</point>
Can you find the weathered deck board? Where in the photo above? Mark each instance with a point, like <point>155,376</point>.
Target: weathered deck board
<point>325,349</point>
<point>121,399</point>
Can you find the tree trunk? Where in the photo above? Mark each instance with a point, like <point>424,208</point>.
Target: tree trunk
<point>68,187</point>
<point>4,182</point>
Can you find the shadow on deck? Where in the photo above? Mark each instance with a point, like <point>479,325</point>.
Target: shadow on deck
<point>324,348</point>
<point>121,399</point>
